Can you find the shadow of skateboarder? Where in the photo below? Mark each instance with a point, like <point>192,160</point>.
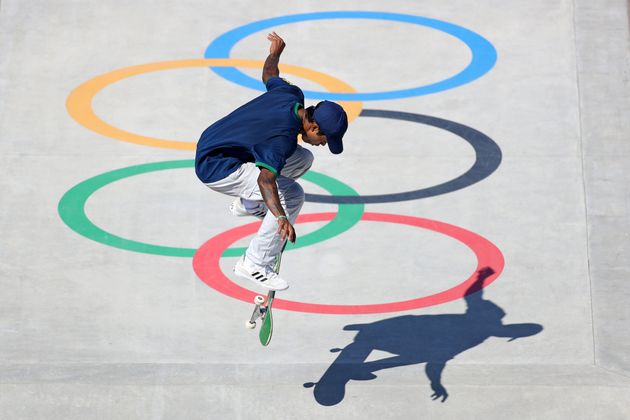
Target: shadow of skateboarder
<point>413,339</point>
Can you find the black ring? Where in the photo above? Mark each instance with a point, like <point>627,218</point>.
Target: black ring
<point>488,158</point>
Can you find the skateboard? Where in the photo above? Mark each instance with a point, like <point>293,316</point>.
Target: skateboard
<point>262,310</point>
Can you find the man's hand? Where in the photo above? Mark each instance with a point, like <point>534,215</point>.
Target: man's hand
<point>285,230</point>
<point>277,44</point>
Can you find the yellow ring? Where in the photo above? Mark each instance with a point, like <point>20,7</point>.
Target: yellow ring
<point>79,103</point>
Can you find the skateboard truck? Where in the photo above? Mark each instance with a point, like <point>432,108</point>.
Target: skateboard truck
<point>259,310</point>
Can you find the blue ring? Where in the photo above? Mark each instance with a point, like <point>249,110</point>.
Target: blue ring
<point>484,56</point>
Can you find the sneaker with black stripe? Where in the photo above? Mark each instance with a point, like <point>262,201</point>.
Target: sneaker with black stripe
<point>262,276</point>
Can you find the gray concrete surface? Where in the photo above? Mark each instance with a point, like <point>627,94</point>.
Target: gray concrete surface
<point>93,331</point>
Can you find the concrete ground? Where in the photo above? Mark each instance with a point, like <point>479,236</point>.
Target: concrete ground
<point>524,162</point>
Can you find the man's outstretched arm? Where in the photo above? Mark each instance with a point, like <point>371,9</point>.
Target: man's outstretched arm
<point>269,191</point>
<point>270,68</point>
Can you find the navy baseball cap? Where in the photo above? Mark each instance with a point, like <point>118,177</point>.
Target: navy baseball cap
<point>333,122</point>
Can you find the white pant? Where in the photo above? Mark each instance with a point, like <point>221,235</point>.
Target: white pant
<point>243,182</point>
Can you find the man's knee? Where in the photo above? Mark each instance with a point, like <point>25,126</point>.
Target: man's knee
<point>298,163</point>
<point>295,194</point>
<point>307,158</point>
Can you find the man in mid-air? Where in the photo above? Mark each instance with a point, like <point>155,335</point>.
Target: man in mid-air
<point>252,154</point>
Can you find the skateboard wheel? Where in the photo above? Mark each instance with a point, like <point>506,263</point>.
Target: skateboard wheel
<point>250,325</point>
<point>259,300</point>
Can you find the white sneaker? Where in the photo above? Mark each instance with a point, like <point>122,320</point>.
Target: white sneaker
<point>262,276</point>
<point>238,209</point>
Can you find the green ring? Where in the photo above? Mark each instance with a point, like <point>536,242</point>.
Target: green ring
<point>72,211</point>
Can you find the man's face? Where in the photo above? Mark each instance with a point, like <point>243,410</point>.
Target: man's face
<point>310,135</point>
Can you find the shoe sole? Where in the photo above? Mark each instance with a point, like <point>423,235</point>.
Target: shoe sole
<point>243,274</point>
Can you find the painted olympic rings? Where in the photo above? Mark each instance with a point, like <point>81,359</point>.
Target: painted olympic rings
<point>79,102</point>
<point>206,265</point>
<point>487,160</point>
<point>72,211</point>
<point>483,59</point>
<point>351,206</point>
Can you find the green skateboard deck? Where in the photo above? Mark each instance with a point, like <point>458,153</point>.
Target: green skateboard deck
<point>266,330</point>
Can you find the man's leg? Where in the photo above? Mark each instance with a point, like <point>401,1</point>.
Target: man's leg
<point>243,183</point>
<point>298,163</point>
<point>257,263</point>
<point>296,166</point>
<point>267,244</point>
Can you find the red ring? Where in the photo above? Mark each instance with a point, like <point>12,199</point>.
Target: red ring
<point>206,265</point>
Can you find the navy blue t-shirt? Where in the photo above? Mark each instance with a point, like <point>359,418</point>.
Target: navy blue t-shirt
<point>263,131</point>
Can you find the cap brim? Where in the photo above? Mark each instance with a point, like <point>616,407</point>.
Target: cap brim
<point>335,145</point>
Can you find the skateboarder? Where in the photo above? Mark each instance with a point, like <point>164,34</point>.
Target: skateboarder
<point>252,154</point>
